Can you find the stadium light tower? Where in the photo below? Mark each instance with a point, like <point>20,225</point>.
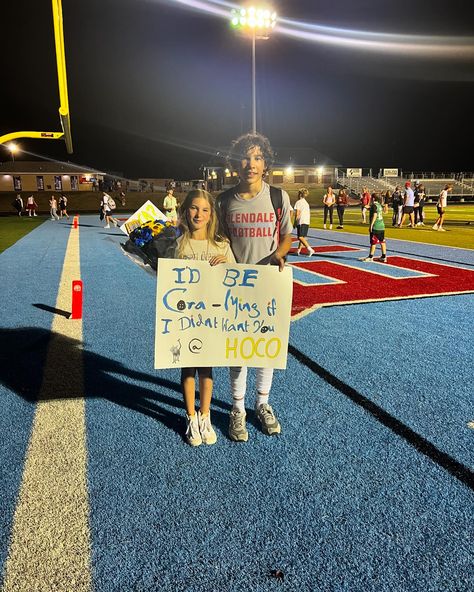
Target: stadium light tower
<point>258,22</point>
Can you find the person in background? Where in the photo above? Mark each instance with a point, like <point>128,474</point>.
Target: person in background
<point>364,203</point>
<point>302,221</point>
<point>18,203</point>
<point>341,204</point>
<point>420,197</point>
<point>376,229</point>
<point>170,203</point>
<point>122,199</point>
<point>200,241</point>
<point>31,206</point>
<point>329,199</point>
<point>397,206</point>
<point>63,206</point>
<point>108,204</point>
<point>441,207</point>
<point>53,207</point>
<point>408,206</point>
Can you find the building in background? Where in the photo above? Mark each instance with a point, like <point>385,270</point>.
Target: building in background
<point>48,176</point>
<point>292,166</point>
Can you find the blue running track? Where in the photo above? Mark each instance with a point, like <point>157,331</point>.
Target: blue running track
<point>369,488</point>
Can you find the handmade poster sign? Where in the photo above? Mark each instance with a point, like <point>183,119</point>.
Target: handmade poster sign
<point>147,213</point>
<point>226,315</point>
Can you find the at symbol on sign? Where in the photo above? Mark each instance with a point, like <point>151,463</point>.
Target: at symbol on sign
<point>195,346</point>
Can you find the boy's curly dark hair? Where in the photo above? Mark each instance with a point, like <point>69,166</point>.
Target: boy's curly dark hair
<point>246,142</point>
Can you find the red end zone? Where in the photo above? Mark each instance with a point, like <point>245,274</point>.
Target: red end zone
<point>325,249</point>
<point>359,286</point>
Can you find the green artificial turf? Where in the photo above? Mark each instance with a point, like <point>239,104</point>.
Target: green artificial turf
<point>459,223</point>
<point>13,228</point>
<point>459,226</point>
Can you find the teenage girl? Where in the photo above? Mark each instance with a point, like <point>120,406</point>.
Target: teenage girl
<point>200,241</point>
<point>329,200</point>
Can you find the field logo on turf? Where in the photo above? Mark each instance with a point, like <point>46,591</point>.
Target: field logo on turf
<point>352,285</point>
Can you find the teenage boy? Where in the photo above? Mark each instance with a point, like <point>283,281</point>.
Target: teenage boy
<point>265,242</point>
<point>441,207</point>
<point>408,206</point>
<point>302,221</point>
<point>170,204</point>
<point>108,204</point>
<point>377,229</point>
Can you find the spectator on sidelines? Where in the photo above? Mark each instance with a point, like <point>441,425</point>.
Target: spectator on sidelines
<point>441,207</point>
<point>63,206</point>
<point>18,204</point>
<point>408,206</point>
<point>170,203</point>
<point>31,206</point>
<point>376,229</point>
<point>108,204</point>
<point>329,200</point>
<point>420,197</point>
<point>53,207</point>
<point>364,204</point>
<point>302,221</point>
<point>397,206</point>
<point>341,204</point>
<point>253,155</point>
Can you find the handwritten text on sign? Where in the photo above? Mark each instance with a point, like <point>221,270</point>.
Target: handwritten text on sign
<point>226,315</point>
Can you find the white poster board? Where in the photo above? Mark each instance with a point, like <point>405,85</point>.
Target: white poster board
<point>225,315</point>
<point>147,213</point>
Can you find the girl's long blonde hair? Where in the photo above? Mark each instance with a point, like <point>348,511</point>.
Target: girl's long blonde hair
<point>213,235</point>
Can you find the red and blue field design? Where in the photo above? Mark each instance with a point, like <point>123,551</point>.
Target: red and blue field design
<point>369,487</point>
<point>349,281</point>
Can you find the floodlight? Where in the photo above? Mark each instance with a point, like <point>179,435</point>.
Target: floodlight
<point>259,21</point>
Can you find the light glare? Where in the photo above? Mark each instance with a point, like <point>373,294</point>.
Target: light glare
<point>410,46</point>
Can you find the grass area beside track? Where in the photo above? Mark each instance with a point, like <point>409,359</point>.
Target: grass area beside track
<point>459,226</point>
<point>15,227</point>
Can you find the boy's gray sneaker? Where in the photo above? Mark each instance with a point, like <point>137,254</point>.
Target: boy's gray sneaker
<point>237,429</point>
<point>270,425</point>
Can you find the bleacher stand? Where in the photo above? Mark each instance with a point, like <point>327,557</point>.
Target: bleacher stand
<point>461,189</point>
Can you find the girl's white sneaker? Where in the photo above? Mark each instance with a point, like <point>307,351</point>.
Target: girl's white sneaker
<point>193,436</point>
<point>208,435</point>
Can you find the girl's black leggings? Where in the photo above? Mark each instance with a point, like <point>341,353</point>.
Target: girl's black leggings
<point>340,214</point>
<point>419,216</point>
<point>329,209</point>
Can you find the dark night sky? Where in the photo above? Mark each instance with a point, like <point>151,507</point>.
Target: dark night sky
<point>156,88</point>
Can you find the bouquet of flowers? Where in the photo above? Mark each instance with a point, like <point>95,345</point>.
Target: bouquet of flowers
<point>152,240</point>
